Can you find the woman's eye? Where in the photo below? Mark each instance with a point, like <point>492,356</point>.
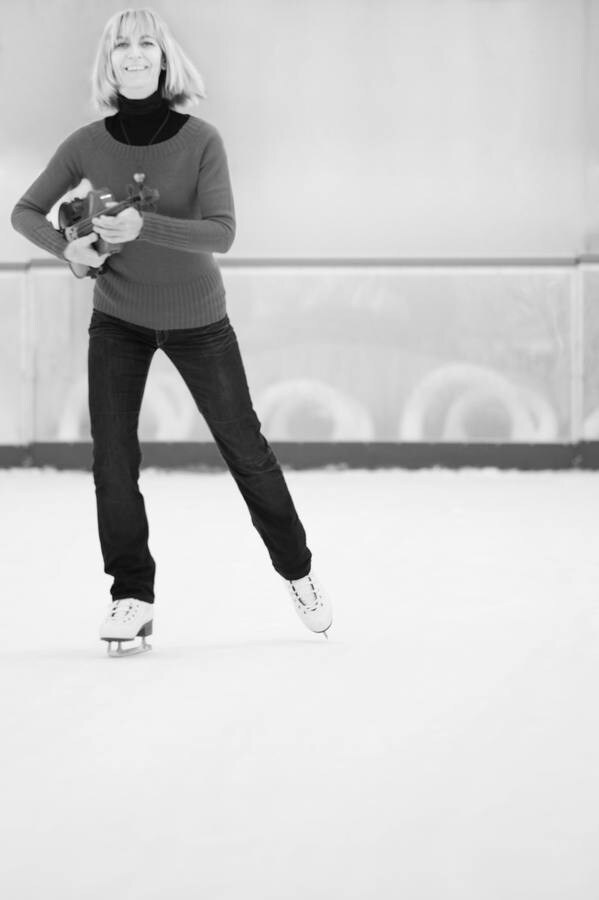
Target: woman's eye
<point>124,43</point>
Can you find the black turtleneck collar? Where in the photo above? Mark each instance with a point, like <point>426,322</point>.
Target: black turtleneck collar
<point>144,106</point>
<point>146,120</point>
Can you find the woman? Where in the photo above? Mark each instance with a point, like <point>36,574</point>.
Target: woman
<point>163,289</point>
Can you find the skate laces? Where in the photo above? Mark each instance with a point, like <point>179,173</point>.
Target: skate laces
<point>122,609</point>
<point>315,600</point>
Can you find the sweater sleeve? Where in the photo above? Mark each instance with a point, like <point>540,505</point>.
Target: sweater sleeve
<point>214,229</point>
<point>62,173</point>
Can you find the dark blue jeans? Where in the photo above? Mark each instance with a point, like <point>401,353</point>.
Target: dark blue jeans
<point>209,362</point>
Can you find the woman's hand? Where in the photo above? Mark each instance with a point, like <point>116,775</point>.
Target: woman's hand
<point>81,252</point>
<point>120,228</point>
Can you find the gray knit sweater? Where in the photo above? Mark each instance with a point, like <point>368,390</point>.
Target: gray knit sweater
<point>166,278</point>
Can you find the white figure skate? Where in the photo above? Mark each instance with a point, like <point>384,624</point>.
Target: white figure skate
<point>312,607</point>
<point>126,620</point>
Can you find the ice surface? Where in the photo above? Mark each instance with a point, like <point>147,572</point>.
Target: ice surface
<point>442,744</point>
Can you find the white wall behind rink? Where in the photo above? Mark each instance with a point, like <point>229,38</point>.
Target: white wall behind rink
<point>336,353</point>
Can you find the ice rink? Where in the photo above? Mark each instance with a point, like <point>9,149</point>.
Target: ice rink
<point>442,745</point>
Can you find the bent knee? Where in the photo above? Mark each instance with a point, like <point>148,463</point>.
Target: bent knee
<point>245,451</point>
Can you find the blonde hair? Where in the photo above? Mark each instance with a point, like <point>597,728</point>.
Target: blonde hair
<point>182,84</point>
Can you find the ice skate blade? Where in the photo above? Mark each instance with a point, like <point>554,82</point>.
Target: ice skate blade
<point>130,651</point>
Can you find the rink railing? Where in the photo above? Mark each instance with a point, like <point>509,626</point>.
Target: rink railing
<point>361,362</point>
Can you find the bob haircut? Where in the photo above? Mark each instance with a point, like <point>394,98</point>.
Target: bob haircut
<point>182,84</point>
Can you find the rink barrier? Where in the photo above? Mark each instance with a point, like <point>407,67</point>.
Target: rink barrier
<point>409,452</point>
<point>357,262</point>
<point>201,456</point>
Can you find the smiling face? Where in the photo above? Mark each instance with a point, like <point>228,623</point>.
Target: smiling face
<point>136,59</point>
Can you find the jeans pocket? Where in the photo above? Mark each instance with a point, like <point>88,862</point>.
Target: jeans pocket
<point>215,338</point>
<point>97,319</point>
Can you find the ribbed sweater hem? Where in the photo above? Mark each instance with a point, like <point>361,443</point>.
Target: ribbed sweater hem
<point>183,305</point>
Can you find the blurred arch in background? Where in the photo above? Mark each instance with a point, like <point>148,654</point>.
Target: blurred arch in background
<point>312,410</point>
<point>459,391</point>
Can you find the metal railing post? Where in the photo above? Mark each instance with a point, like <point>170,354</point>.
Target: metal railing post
<point>577,354</point>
